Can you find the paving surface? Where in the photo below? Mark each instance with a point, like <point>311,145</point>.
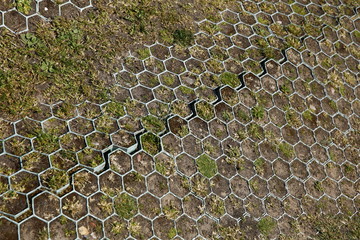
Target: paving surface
<point>229,132</point>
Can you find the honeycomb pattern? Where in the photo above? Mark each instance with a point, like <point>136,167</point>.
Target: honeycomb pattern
<point>21,16</point>
<point>257,121</point>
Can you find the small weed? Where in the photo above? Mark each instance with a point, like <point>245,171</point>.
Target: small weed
<point>227,116</point>
<point>243,116</point>
<point>285,89</point>
<point>90,157</point>
<point>292,118</point>
<point>255,131</point>
<point>55,179</point>
<point>233,155</point>
<point>180,108</point>
<point>170,211</point>
<point>258,112</point>
<point>327,63</point>
<point>46,142</point>
<point>259,165</point>
<point>216,205</point>
<point>268,52</point>
<point>261,30</point>
<point>263,21</point>
<point>117,227</point>
<point>333,105</point>
<point>105,124</point>
<point>348,168</point>
<point>172,233</point>
<point>42,234</point>
<point>135,229</point>
<point>63,220</point>
<point>295,30</point>
<point>184,130</point>
<point>73,206</point>
<point>105,204</point>
<point>240,134</point>
<point>318,186</point>
<point>308,115</point>
<point>292,41</point>
<point>286,149</point>
<point>125,206</point>
<point>206,166</point>
<point>168,80</point>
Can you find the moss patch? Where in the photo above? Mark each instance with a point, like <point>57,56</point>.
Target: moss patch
<point>150,143</point>
<point>153,124</point>
<point>125,206</point>
<point>206,166</point>
<point>230,79</point>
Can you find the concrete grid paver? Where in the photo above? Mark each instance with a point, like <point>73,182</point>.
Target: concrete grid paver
<point>281,130</point>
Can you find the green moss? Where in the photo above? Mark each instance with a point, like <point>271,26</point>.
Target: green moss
<point>115,109</point>
<point>125,206</point>
<point>172,233</point>
<point>151,143</point>
<point>295,30</point>
<point>186,90</point>
<point>143,53</point>
<point>46,142</point>
<point>23,6</point>
<point>153,124</point>
<point>263,21</point>
<point>299,9</point>
<point>266,224</point>
<point>268,52</point>
<point>183,37</point>
<point>205,110</point>
<point>206,166</point>
<point>230,79</point>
